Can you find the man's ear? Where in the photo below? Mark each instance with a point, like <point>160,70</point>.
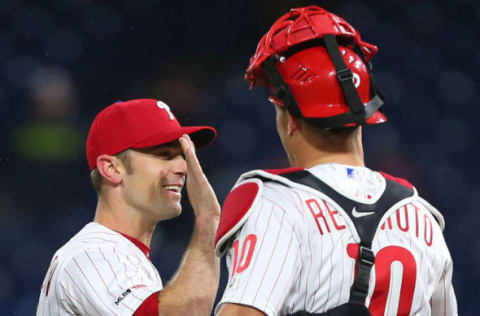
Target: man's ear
<point>109,168</point>
<point>292,125</point>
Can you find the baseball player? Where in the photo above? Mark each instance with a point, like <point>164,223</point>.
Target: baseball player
<point>140,158</point>
<point>328,236</point>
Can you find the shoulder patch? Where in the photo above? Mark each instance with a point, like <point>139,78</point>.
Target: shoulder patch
<point>235,211</point>
<point>283,171</point>
<point>398,180</point>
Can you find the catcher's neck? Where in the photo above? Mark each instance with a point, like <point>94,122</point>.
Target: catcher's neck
<point>306,152</point>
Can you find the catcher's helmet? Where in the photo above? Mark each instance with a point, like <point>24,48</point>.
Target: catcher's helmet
<point>318,67</point>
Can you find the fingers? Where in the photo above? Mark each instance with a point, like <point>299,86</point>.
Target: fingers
<point>190,156</point>
<point>200,192</point>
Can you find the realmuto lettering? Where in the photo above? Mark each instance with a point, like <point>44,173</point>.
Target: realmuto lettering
<point>320,214</point>
<point>404,219</point>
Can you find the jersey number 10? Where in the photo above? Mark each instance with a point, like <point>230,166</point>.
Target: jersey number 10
<point>388,286</point>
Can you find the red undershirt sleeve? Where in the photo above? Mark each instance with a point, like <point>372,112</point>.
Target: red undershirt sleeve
<point>149,307</point>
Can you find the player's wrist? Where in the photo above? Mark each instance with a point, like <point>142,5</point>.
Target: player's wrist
<point>208,213</point>
<point>207,221</point>
<point>205,228</point>
<point>205,205</point>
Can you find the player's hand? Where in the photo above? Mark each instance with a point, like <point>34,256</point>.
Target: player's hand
<point>200,192</point>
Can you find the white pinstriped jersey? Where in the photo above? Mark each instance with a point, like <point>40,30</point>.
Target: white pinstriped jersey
<point>97,272</point>
<point>296,250</point>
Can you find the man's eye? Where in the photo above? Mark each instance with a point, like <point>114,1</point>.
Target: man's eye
<point>162,154</point>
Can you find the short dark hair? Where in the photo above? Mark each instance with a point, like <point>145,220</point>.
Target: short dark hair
<point>97,178</point>
<point>331,132</point>
<point>329,136</point>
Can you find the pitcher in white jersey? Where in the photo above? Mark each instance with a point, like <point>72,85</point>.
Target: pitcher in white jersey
<point>328,236</point>
<point>140,157</point>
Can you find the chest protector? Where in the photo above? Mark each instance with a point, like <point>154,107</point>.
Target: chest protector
<point>366,227</point>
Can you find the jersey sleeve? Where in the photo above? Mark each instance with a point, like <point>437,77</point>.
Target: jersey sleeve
<point>263,257</point>
<point>101,281</point>
<point>444,302</point>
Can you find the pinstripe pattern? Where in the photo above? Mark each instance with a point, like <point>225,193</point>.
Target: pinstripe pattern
<point>302,264</point>
<point>98,272</point>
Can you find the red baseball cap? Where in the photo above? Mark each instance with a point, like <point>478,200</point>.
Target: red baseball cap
<point>138,124</point>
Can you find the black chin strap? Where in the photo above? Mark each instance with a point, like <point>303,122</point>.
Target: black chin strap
<point>358,114</point>
<point>344,75</point>
<point>281,89</point>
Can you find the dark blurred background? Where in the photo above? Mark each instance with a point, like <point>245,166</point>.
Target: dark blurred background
<point>61,61</point>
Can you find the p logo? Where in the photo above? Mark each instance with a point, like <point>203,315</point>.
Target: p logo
<point>164,106</point>
<point>356,79</point>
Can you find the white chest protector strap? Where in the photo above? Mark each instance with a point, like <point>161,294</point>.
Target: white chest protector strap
<point>366,227</point>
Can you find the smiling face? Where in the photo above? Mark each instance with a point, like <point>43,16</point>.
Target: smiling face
<point>154,180</point>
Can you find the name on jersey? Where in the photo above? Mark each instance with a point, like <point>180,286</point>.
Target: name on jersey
<point>405,219</point>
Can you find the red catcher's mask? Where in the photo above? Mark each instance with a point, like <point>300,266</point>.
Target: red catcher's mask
<point>318,67</point>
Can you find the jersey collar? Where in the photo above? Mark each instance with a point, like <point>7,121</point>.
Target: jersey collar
<point>144,248</point>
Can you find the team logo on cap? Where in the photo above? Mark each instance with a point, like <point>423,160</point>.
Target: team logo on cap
<point>164,106</point>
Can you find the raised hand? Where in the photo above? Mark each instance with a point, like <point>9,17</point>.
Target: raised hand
<point>200,192</point>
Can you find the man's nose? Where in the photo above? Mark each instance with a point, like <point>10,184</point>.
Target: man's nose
<point>180,166</point>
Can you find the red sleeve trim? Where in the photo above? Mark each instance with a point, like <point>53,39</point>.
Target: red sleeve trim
<point>283,171</point>
<point>149,307</point>
<point>402,181</point>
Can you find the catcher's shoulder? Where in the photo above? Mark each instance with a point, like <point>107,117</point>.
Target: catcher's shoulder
<point>265,173</point>
<point>241,201</point>
<point>398,180</point>
<point>236,208</point>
